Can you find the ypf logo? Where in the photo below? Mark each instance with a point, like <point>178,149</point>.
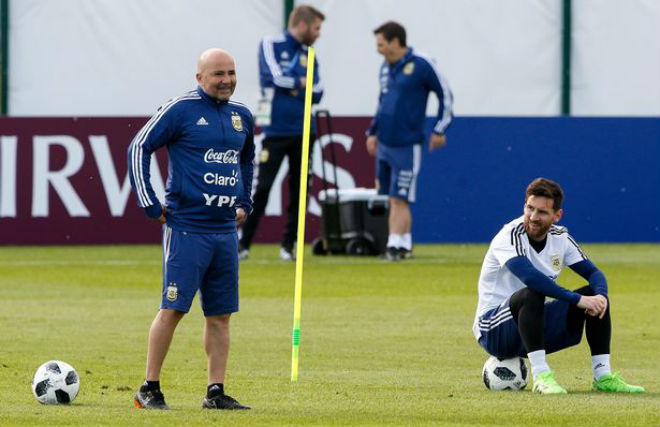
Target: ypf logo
<point>229,156</point>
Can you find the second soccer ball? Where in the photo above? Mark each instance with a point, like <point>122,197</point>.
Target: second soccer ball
<point>55,382</point>
<point>505,374</point>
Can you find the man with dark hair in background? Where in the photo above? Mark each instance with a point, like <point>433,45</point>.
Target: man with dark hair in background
<point>397,132</point>
<point>282,72</point>
<point>519,272</point>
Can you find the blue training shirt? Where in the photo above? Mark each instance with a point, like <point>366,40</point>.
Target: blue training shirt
<point>404,92</point>
<point>282,63</point>
<point>210,145</point>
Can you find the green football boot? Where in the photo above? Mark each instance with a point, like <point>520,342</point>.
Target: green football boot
<point>612,383</point>
<point>546,383</point>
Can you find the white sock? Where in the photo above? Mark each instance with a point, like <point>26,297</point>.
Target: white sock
<point>537,360</point>
<point>406,241</point>
<point>394,241</point>
<point>601,365</point>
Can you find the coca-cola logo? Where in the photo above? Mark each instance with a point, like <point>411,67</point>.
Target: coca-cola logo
<point>229,156</point>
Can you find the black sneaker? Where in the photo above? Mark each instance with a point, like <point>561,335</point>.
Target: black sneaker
<point>405,253</point>
<point>149,399</point>
<point>287,254</point>
<point>392,254</point>
<point>243,252</point>
<point>222,401</point>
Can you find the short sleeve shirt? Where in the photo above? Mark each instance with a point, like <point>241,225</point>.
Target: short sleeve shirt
<point>497,283</point>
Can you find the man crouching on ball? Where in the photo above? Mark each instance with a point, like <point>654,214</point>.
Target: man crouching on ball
<point>519,272</point>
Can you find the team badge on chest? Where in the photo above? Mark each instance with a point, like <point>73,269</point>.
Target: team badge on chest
<point>303,60</point>
<point>409,68</point>
<point>236,122</point>
<point>555,260</point>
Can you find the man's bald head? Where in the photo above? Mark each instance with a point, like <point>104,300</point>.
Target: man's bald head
<point>216,73</point>
<point>214,54</point>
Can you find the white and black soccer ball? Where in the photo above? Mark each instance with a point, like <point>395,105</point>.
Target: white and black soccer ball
<point>55,382</point>
<point>505,374</point>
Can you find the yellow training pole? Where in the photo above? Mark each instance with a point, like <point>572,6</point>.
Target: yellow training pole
<point>302,209</point>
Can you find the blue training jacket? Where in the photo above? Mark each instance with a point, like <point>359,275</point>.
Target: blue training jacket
<point>282,63</point>
<point>211,148</point>
<point>404,92</point>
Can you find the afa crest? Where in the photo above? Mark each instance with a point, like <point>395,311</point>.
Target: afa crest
<point>236,122</point>
<point>172,292</point>
<point>409,68</point>
<point>555,260</point>
<point>303,60</point>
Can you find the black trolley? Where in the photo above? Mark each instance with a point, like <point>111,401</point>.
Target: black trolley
<point>353,221</point>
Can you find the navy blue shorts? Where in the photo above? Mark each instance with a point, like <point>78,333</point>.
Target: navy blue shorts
<point>397,169</point>
<point>204,262</point>
<point>500,336</point>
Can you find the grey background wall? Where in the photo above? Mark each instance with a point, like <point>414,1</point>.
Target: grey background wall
<point>125,57</point>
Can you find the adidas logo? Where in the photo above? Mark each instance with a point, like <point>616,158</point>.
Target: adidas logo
<point>202,122</point>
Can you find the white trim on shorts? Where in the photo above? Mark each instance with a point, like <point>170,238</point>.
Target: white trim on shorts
<point>417,164</point>
<point>167,239</point>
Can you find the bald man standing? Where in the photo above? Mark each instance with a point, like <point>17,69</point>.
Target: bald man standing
<point>210,143</point>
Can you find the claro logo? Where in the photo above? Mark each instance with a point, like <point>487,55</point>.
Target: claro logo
<point>228,156</point>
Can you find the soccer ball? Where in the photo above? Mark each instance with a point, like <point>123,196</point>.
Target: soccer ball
<point>505,374</point>
<point>55,382</point>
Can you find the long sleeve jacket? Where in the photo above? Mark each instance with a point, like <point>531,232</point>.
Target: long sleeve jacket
<point>282,64</point>
<point>210,145</point>
<point>404,91</point>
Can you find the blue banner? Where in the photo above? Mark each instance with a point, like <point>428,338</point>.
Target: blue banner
<point>609,169</point>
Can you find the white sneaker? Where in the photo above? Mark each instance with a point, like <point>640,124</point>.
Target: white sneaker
<point>243,254</point>
<point>287,255</point>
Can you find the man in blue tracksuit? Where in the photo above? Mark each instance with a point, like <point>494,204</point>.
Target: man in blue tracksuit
<point>397,132</point>
<point>210,142</point>
<point>282,72</point>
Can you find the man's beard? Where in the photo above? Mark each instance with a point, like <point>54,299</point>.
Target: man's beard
<point>307,38</point>
<point>223,96</point>
<point>536,233</point>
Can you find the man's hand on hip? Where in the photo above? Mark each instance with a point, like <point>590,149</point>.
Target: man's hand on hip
<point>372,145</point>
<point>161,219</point>
<point>437,141</point>
<point>240,216</point>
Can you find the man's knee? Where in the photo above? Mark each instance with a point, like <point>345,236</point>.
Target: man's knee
<point>219,322</point>
<point>168,317</point>
<point>399,208</point>
<point>531,296</point>
<point>528,298</point>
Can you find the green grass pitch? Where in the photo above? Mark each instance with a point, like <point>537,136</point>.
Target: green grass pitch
<point>383,344</point>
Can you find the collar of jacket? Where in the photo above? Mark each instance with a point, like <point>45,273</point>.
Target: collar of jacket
<point>206,97</point>
<point>404,59</point>
<point>292,40</point>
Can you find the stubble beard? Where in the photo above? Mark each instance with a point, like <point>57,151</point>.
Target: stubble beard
<point>536,233</point>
